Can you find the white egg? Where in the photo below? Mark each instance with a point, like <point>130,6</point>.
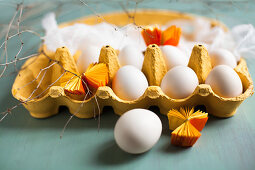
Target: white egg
<point>129,83</point>
<point>89,55</point>
<point>130,55</point>
<point>137,131</point>
<point>179,82</point>
<point>222,57</point>
<point>174,56</point>
<point>224,81</point>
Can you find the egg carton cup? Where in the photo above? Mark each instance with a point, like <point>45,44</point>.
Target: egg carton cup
<point>43,97</point>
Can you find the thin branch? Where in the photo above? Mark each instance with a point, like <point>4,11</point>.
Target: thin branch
<point>19,59</point>
<point>6,38</point>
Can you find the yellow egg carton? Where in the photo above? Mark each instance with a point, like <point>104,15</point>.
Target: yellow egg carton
<point>37,84</point>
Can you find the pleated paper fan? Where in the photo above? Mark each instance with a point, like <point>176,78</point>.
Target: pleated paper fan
<point>186,125</point>
<point>171,36</point>
<point>198,120</point>
<point>96,75</point>
<point>153,35</point>
<point>185,135</point>
<point>176,118</point>
<point>72,84</point>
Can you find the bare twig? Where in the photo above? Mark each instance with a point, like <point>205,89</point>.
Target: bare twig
<point>7,37</point>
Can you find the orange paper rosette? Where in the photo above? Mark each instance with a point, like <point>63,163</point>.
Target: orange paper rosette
<point>72,84</point>
<point>153,35</point>
<point>96,75</point>
<point>186,125</point>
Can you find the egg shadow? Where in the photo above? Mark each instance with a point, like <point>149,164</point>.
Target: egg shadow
<point>166,133</point>
<point>111,154</point>
<point>164,120</point>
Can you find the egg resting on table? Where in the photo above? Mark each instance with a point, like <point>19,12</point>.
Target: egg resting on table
<point>137,131</point>
<point>224,81</point>
<point>129,83</point>
<point>179,82</point>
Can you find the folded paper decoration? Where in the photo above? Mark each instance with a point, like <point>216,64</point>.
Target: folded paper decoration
<point>96,75</point>
<point>153,35</point>
<point>186,125</point>
<point>72,84</point>
<point>47,99</point>
<point>75,84</point>
<point>185,135</point>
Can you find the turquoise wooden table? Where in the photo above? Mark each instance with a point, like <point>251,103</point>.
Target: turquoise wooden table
<point>27,143</point>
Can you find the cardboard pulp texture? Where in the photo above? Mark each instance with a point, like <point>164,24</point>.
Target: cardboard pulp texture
<point>37,84</point>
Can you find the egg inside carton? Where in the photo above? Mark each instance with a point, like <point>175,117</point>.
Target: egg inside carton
<point>154,68</point>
